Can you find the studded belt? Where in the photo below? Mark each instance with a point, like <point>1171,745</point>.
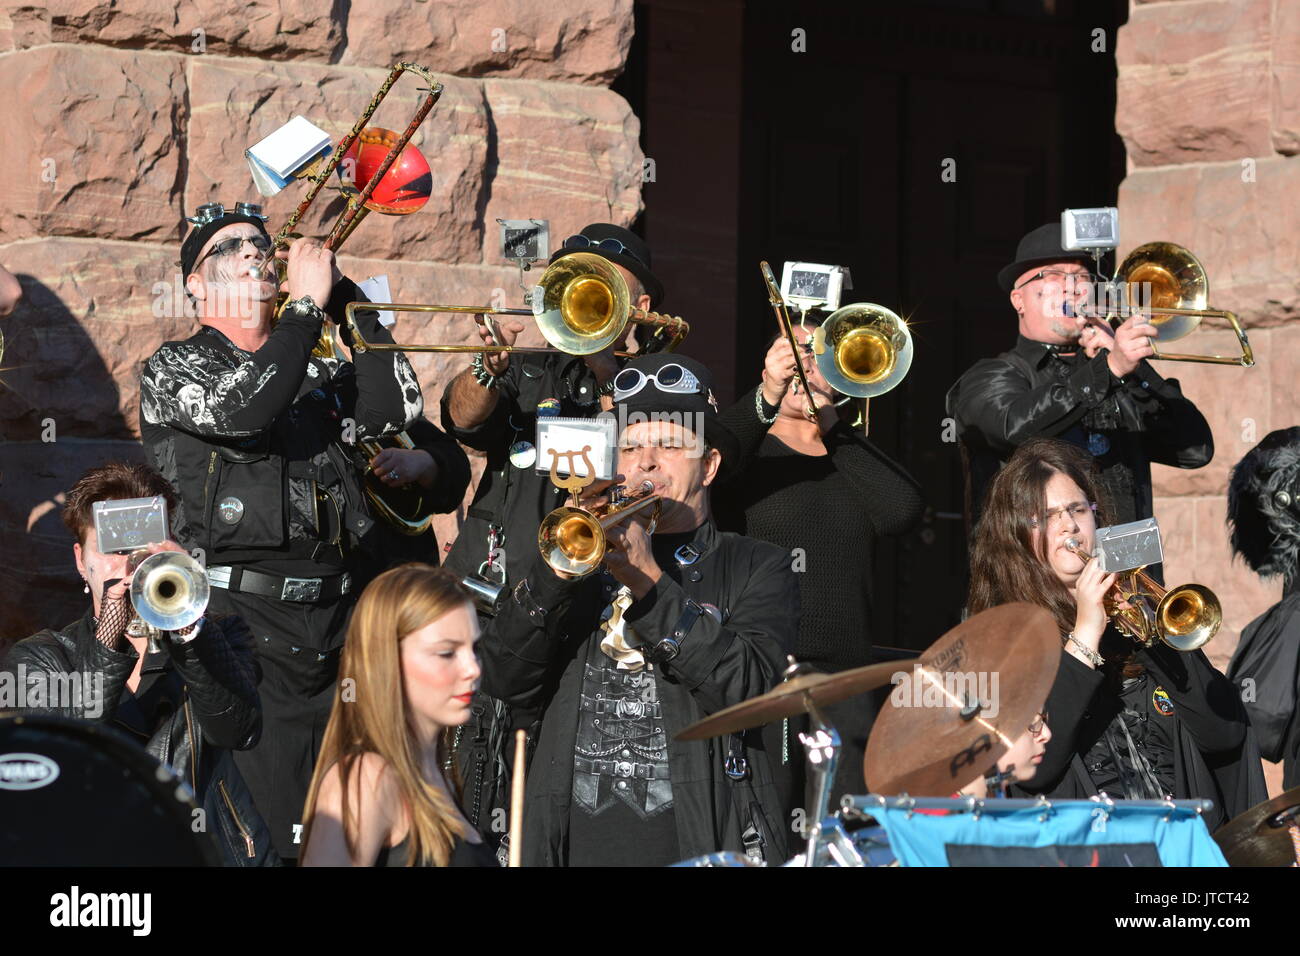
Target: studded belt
<point>626,707</point>
<point>298,590</point>
<point>618,768</point>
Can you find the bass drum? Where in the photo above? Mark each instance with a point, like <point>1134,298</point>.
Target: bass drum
<point>76,793</point>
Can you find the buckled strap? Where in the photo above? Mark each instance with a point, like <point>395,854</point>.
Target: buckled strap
<point>523,596</point>
<point>618,768</point>
<point>610,675</point>
<point>627,707</point>
<point>278,587</point>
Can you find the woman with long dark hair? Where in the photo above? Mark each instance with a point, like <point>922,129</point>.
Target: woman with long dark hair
<point>1127,721</point>
<point>384,792</point>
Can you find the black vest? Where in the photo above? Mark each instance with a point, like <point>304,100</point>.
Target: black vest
<point>293,491</point>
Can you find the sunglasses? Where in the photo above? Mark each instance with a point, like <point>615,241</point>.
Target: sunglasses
<point>672,378</point>
<point>228,247</point>
<point>608,245</point>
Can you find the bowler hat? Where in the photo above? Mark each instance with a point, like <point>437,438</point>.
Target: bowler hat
<point>1039,247</point>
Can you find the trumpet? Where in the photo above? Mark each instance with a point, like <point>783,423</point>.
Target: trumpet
<point>573,540</point>
<point>1185,618</point>
<point>169,592</point>
<point>581,303</point>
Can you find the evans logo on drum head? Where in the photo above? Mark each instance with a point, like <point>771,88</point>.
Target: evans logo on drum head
<point>26,771</point>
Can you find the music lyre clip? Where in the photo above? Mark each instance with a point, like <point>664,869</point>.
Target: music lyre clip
<point>575,482</point>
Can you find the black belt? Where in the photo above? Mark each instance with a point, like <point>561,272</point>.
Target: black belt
<point>627,707</point>
<point>298,590</point>
<point>618,768</point>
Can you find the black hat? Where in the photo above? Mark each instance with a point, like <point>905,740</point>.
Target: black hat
<point>1264,504</point>
<point>634,255</point>
<point>1039,247</point>
<point>208,221</point>
<point>685,390</point>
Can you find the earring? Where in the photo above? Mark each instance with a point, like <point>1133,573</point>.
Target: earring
<point>86,588</point>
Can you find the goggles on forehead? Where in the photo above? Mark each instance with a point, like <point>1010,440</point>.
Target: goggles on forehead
<point>212,211</point>
<point>608,245</point>
<point>673,378</point>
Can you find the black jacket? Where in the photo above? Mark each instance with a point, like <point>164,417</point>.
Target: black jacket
<point>535,651</point>
<point>259,445</point>
<point>1033,392</point>
<point>1215,753</point>
<point>209,683</point>
<point>1268,657</point>
<point>516,498</point>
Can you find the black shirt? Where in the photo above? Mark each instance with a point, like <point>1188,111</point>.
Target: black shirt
<point>826,511</point>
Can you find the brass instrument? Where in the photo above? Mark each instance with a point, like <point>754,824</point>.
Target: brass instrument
<point>581,303</point>
<point>403,508</point>
<point>1185,617</point>
<point>1179,289</point>
<point>861,349</point>
<point>573,540</point>
<point>169,592</point>
<point>777,301</point>
<point>358,201</point>
<point>407,508</point>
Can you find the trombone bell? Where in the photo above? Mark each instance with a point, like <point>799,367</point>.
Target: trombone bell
<point>863,350</point>
<point>1164,275</point>
<point>582,304</point>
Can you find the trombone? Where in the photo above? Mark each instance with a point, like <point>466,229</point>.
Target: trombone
<point>1179,287</point>
<point>862,349</point>
<point>581,303</point>
<point>573,540</point>
<point>358,201</point>
<point>1185,617</point>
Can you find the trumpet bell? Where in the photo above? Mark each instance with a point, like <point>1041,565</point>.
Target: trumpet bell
<point>1188,617</point>
<point>169,591</point>
<point>863,350</point>
<point>571,540</point>
<point>1164,275</point>
<point>581,303</point>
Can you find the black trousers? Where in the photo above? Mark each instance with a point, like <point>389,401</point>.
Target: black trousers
<point>298,649</point>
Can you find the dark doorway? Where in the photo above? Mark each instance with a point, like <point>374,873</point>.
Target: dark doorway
<point>832,145</point>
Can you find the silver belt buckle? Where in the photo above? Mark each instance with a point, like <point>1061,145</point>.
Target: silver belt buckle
<point>625,768</point>
<point>300,589</point>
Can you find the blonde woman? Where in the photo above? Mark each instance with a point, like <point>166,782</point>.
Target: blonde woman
<point>380,795</point>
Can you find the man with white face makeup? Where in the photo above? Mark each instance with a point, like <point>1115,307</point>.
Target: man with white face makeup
<point>253,432</point>
<point>682,621</point>
<point>1067,378</point>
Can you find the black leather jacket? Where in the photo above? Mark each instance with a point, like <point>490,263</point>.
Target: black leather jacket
<point>535,654</point>
<point>1033,391</point>
<point>209,683</point>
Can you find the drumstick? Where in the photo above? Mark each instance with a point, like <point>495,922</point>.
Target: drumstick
<point>517,801</point>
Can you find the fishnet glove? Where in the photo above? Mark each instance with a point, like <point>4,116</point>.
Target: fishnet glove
<point>114,616</point>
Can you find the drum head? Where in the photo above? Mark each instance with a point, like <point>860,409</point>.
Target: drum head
<point>76,793</point>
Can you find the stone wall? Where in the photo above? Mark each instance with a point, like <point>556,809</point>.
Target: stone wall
<point>1209,108</point>
<point>131,113</point>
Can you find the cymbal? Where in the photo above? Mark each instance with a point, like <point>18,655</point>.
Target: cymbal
<point>1003,661</point>
<point>790,698</point>
<point>1260,837</point>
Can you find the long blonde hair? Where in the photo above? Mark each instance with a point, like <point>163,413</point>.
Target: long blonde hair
<point>372,715</point>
